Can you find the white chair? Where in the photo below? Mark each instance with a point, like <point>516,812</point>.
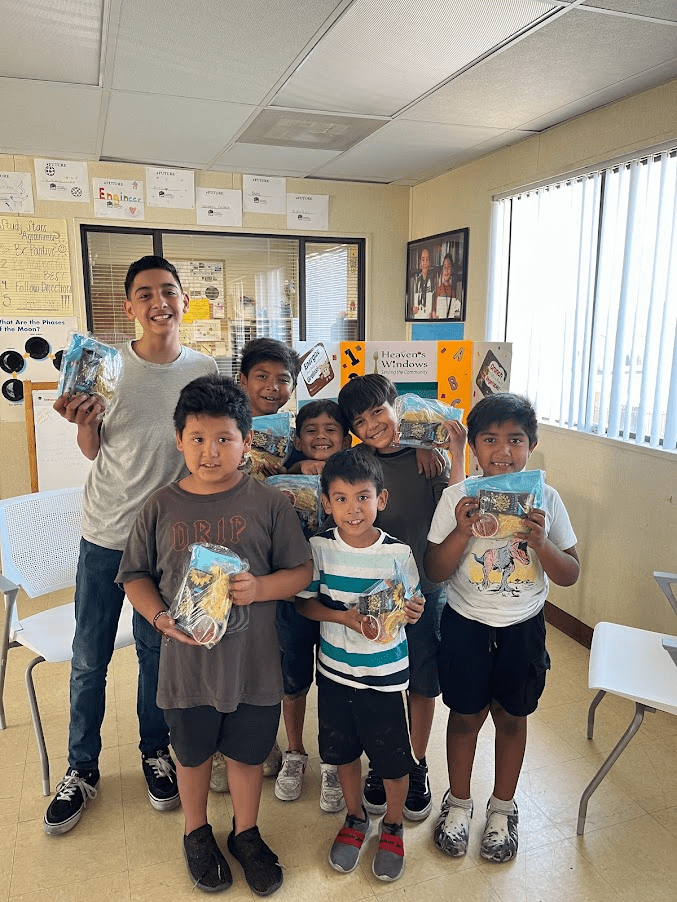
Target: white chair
<point>40,540</point>
<point>633,664</point>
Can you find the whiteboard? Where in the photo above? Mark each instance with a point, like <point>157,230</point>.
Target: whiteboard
<point>60,464</point>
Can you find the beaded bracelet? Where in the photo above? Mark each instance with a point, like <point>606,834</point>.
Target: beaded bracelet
<point>155,619</point>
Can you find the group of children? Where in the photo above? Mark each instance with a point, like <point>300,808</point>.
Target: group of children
<point>484,651</point>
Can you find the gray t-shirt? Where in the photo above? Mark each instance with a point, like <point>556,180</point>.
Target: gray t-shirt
<point>258,523</point>
<point>138,451</point>
<point>412,499</point>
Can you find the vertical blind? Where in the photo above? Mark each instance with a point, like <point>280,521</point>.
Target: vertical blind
<point>583,282</point>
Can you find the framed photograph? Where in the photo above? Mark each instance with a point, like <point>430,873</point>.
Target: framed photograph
<point>437,274</point>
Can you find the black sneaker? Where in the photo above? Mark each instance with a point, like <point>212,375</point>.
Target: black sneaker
<point>259,863</point>
<point>374,794</point>
<point>206,864</point>
<point>70,800</point>
<point>419,800</point>
<point>160,774</point>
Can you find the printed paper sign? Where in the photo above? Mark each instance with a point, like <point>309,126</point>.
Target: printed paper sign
<point>118,198</point>
<point>219,206</point>
<point>264,194</point>
<point>62,181</point>
<point>16,192</point>
<point>308,211</point>
<point>170,188</point>
<point>403,361</point>
<point>319,376</point>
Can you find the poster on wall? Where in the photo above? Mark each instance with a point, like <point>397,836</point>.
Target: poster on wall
<point>491,368</point>
<point>118,198</point>
<point>30,348</point>
<point>437,275</point>
<point>16,192</point>
<point>35,269</point>
<point>218,207</point>
<point>402,361</point>
<point>61,180</point>
<point>173,188</point>
<point>264,194</point>
<point>320,373</point>
<point>308,212</point>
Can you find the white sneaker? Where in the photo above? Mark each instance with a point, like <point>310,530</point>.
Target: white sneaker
<point>452,828</point>
<point>331,794</point>
<point>290,779</point>
<point>271,765</point>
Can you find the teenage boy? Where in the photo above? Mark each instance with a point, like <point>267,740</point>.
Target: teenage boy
<point>492,656</point>
<point>321,431</point>
<point>367,403</point>
<point>134,452</point>
<point>226,698</point>
<point>361,685</point>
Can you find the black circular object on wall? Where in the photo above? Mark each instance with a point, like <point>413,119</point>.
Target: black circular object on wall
<point>37,348</point>
<point>12,361</point>
<point>57,359</point>
<point>13,390</point>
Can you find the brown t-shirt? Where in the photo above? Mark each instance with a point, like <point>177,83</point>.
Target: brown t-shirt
<point>256,522</point>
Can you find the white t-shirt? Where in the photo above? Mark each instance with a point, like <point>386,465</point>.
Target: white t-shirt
<point>499,581</point>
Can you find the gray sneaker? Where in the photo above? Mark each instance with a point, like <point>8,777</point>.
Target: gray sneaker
<point>344,855</point>
<point>389,859</point>
<point>452,828</point>
<point>499,841</point>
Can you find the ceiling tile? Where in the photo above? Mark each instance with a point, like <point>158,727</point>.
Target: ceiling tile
<point>655,9</point>
<point>568,59</point>
<point>214,50</point>
<point>170,130</point>
<point>51,41</point>
<point>314,131</point>
<point>402,150</point>
<point>48,119</point>
<point>257,158</point>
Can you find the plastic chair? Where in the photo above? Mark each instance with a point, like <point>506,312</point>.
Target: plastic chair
<point>633,664</point>
<point>40,540</point>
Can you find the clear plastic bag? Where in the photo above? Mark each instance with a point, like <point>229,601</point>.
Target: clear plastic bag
<point>89,367</point>
<point>203,602</point>
<point>271,442</point>
<point>383,606</point>
<point>505,501</point>
<point>419,420</point>
<point>304,492</point>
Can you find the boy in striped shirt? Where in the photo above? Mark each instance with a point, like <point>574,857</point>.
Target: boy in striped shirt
<point>362,703</point>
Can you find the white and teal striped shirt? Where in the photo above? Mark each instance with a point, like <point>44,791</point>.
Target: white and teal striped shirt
<point>340,574</point>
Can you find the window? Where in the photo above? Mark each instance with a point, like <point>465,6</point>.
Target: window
<point>241,286</point>
<point>584,284</point>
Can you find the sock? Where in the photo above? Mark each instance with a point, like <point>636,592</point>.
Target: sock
<point>461,803</point>
<point>501,806</point>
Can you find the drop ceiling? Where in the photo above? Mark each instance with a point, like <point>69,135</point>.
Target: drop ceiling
<point>392,91</point>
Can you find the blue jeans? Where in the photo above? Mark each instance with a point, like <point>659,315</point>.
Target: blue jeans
<point>98,602</point>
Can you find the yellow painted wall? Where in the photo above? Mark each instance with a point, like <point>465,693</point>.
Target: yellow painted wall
<point>622,500</point>
<point>379,213</point>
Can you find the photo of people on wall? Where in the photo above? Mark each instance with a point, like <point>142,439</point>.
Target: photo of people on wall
<point>436,277</point>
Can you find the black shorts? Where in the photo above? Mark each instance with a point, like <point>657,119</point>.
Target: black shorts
<point>246,734</point>
<point>298,638</point>
<point>352,721</point>
<point>478,663</point>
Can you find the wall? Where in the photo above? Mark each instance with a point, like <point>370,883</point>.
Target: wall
<point>622,499</point>
<point>379,213</point>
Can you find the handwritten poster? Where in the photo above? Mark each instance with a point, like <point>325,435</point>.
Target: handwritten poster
<point>308,211</point>
<point>16,192</point>
<point>219,206</point>
<point>62,180</point>
<point>264,194</point>
<point>118,198</point>
<point>35,270</point>
<point>170,188</point>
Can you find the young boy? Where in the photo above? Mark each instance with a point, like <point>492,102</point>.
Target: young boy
<point>321,431</point>
<point>362,704</point>
<point>226,698</point>
<point>367,403</point>
<point>134,453</point>
<point>492,654</point>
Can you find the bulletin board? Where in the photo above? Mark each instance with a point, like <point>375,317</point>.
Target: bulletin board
<point>54,458</point>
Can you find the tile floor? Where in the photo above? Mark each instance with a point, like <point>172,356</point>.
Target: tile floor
<point>123,850</point>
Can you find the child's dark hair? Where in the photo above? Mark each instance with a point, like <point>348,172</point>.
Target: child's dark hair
<point>498,409</point>
<point>364,392</point>
<point>150,262</point>
<point>352,465</point>
<point>316,409</point>
<point>260,349</point>
<point>213,396</point>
